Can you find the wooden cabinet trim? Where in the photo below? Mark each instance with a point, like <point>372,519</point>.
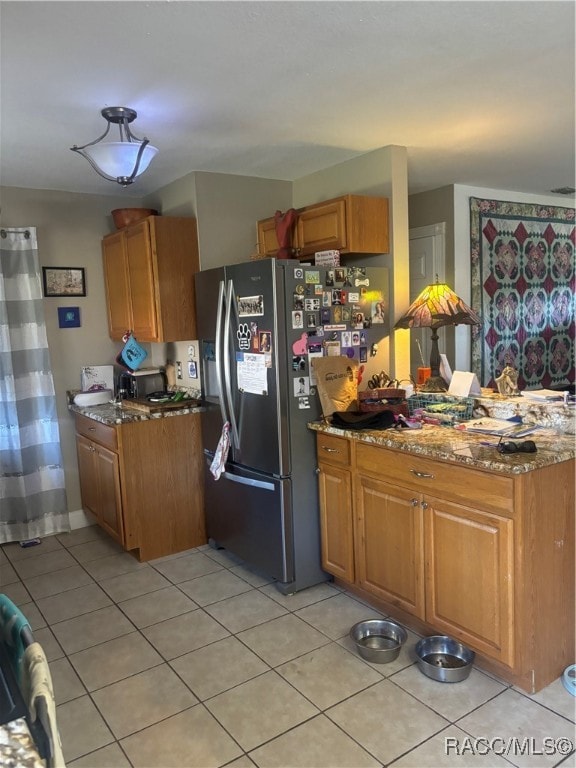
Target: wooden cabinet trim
<point>333,450</point>
<point>431,476</point>
<point>94,430</point>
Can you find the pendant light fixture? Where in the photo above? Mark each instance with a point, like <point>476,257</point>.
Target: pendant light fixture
<point>121,161</point>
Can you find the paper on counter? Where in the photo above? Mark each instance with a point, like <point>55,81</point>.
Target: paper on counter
<point>542,394</point>
<point>491,426</point>
<point>464,383</point>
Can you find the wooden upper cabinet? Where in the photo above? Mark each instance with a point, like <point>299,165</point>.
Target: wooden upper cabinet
<point>349,224</point>
<point>149,271</point>
<point>322,227</point>
<point>116,284</point>
<point>267,239</point>
<point>143,296</point>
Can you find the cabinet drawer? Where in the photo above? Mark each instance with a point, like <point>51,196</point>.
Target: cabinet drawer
<point>333,450</point>
<point>94,430</point>
<point>454,483</point>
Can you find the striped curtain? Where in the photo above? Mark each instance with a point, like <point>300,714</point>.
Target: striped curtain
<point>32,493</point>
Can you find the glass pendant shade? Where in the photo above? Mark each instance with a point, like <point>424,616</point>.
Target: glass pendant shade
<point>121,161</point>
<point>118,158</point>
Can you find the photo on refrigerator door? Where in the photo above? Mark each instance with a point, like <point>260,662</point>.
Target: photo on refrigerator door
<point>297,320</point>
<point>302,386</point>
<point>250,306</point>
<point>265,343</point>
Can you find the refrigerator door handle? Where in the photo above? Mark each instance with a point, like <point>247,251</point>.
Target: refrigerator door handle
<point>219,312</point>
<point>249,481</point>
<point>232,415</point>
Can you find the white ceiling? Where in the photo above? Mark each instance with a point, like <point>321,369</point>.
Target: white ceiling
<point>480,93</point>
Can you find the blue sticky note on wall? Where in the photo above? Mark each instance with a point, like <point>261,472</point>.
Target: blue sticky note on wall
<point>69,317</point>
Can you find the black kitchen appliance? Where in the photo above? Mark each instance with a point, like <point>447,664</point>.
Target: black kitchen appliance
<point>141,383</point>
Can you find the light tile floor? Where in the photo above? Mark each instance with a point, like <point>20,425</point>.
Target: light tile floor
<point>196,661</point>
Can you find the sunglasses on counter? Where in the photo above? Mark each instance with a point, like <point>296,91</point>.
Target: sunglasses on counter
<point>524,446</point>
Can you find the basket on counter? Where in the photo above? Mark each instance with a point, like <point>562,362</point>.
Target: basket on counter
<point>386,399</point>
<point>447,408</point>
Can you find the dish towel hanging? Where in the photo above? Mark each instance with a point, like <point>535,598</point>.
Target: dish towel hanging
<point>221,454</point>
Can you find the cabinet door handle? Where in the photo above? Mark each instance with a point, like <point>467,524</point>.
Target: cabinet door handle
<point>330,450</point>
<point>424,505</point>
<point>91,429</point>
<point>414,502</point>
<point>422,474</point>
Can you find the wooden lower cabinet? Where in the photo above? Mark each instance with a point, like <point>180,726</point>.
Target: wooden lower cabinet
<point>389,545</point>
<point>335,491</point>
<point>447,549</point>
<point>143,482</point>
<point>469,567</point>
<point>100,485</point>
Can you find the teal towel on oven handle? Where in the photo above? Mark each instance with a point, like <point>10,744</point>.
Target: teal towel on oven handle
<point>12,624</point>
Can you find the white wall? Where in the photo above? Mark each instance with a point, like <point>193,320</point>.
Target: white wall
<point>462,195</point>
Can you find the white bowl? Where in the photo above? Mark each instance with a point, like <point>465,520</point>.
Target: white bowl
<point>93,398</point>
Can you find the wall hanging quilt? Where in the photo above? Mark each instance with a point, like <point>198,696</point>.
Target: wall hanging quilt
<point>522,275</point>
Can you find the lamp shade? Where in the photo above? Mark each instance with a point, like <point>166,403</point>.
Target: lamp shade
<point>118,158</point>
<point>121,161</point>
<point>436,306</point>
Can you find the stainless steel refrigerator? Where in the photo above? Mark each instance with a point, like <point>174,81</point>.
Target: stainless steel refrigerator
<point>259,325</point>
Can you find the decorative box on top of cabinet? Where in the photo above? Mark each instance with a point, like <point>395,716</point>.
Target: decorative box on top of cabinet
<point>149,270</point>
<point>483,557</point>
<point>350,224</point>
<point>143,482</point>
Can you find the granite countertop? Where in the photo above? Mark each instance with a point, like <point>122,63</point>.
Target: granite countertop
<point>555,414</point>
<point>17,747</point>
<point>121,413</point>
<point>450,444</point>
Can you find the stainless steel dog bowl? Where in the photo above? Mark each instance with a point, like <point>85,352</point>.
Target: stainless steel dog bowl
<point>378,640</point>
<point>444,659</point>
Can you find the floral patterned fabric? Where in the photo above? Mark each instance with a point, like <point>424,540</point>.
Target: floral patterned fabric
<point>523,288</point>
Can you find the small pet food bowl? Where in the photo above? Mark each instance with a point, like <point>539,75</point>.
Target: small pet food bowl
<point>378,640</point>
<point>444,659</point>
<point>123,217</point>
<point>569,679</point>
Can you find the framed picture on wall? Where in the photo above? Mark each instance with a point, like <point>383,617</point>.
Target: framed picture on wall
<point>64,281</point>
<point>69,317</point>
